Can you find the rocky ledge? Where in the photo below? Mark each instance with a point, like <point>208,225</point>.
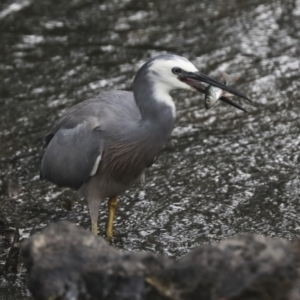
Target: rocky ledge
<point>65,261</point>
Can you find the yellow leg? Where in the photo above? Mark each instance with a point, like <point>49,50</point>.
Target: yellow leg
<point>112,205</point>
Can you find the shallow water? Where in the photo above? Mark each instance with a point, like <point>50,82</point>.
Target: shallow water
<point>222,173</point>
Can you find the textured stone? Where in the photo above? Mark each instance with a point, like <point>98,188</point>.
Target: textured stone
<point>66,262</point>
<point>242,267</point>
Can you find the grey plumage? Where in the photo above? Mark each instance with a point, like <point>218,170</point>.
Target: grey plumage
<point>109,125</point>
<point>100,146</point>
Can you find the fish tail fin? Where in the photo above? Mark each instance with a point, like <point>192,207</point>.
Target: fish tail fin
<point>229,79</point>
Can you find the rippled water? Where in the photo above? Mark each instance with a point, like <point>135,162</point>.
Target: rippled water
<point>223,172</point>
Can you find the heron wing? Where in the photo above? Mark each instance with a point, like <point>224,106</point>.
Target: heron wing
<point>74,147</point>
<point>70,156</point>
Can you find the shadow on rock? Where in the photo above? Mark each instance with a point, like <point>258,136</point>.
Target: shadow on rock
<point>65,261</point>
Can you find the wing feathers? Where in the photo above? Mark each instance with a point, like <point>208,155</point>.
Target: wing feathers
<point>70,156</point>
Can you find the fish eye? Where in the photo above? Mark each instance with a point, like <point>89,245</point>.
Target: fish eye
<point>176,71</point>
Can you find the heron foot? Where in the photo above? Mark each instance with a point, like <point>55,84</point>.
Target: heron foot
<point>112,205</point>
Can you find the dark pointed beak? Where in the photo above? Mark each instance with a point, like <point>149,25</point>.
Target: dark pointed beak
<point>230,102</point>
<point>196,81</point>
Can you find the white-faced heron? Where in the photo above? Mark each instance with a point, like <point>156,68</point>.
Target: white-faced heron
<point>102,145</point>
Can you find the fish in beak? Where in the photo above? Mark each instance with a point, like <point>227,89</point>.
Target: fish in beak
<point>214,94</point>
<point>198,81</point>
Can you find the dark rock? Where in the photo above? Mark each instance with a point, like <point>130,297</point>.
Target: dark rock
<point>295,244</point>
<point>243,267</point>
<point>66,262</point>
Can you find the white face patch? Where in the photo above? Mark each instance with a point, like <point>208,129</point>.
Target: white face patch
<point>161,72</point>
<point>165,81</point>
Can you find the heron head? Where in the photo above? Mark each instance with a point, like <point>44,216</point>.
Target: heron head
<point>169,72</point>
<point>164,71</point>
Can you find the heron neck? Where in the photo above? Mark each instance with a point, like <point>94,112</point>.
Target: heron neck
<point>158,117</point>
<point>154,101</point>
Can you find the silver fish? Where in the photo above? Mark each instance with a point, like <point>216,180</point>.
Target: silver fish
<point>213,94</point>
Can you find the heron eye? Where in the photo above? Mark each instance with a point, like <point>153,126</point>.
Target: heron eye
<point>176,71</point>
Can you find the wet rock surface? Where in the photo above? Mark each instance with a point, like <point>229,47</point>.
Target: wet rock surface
<point>65,261</point>
<point>223,172</point>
